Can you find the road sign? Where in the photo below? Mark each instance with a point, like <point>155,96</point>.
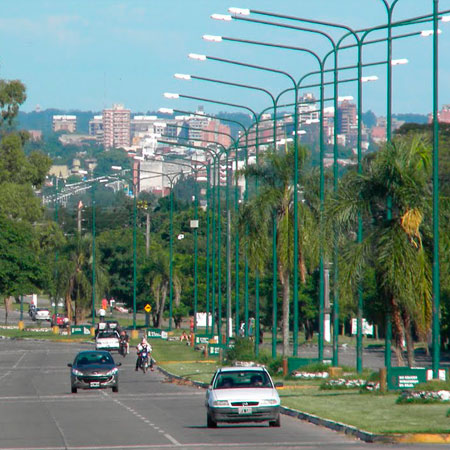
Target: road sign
<point>147,308</point>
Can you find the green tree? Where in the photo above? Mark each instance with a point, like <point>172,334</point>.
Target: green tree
<point>395,247</point>
<point>275,196</point>
<point>12,95</point>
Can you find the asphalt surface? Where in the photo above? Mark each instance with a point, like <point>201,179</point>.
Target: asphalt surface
<point>38,412</point>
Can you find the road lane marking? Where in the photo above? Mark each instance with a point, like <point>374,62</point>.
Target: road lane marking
<point>144,419</point>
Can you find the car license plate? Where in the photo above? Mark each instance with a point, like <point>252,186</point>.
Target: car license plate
<point>94,384</point>
<point>245,410</point>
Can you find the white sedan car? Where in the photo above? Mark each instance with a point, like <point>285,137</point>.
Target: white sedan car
<point>107,340</point>
<point>239,394</point>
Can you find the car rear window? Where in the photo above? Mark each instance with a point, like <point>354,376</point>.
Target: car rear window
<point>108,334</point>
<point>242,379</point>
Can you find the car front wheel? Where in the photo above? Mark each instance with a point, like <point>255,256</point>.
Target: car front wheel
<point>115,388</point>
<point>276,422</point>
<point>210,422</point>
<point>74,390</point>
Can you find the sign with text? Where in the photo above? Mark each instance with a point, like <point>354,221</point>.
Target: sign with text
<point>214,349</point>
<point>202,338</point>
<point>409,377</point>
<point>156,333</point>
<point>80,329</point>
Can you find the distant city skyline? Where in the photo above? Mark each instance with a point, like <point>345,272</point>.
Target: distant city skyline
<point>89,55</point>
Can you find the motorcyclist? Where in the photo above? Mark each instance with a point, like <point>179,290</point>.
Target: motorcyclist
<point>141,346</point>
<point>124,338</point>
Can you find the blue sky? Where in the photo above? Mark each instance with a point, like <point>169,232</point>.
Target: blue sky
<point>89,54</point>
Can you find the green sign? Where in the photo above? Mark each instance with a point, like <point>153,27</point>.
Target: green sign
<point>214,349</point>
<point>156,333</point>
<point>80,329</point>
<point>406,377</point>
<point>295,363</point>
<point>203,338</point>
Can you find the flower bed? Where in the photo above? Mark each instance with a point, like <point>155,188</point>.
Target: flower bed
<point>344,383</point>
<point>424,397</point>
<point>309,375</point>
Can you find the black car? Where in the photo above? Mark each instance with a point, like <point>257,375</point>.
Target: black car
<point>94,369</point>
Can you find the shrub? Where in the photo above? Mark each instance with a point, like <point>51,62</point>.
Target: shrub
<point>243,350</point>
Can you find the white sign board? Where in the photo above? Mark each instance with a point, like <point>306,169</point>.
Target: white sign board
<point>201,319</point>
<point>367,329</point>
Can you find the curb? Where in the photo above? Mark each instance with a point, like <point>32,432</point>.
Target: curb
<point>339,427</point>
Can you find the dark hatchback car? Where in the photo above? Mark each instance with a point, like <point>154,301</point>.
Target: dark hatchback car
<point>94,369</point>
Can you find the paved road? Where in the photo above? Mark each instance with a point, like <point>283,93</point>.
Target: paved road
<point>37,411</point>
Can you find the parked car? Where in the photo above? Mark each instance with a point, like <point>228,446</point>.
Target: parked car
<point>239,394</point>
<point>40,314</point>
<point>94,370</point>
<point>60,320</point>
<point>107,340</point>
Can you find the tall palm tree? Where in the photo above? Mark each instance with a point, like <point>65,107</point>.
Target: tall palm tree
<point>393,244</point>
<point>157,274</point>
<point>75,277</point>
<point>275,196</point>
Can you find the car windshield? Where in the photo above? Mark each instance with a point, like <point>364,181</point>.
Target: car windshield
<point>242,379</point>
<point>87,358</point>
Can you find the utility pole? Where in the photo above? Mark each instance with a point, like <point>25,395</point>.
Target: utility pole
<point>147,234</point>
<point>80,205</point>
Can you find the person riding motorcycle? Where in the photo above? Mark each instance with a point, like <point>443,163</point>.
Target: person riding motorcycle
<point>124,339</point>
<point>144,345</point>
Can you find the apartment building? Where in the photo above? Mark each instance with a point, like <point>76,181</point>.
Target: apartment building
<point>116,127</point>
<point>66,123</point>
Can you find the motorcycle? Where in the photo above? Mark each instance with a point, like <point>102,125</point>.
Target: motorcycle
<point>143,360</point>
<point>123,344</point>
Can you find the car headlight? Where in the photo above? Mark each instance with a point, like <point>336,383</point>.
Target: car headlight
<point>220,403</point>
<point>112,372</point>
<point>269,401</point>
<point>77,373</point>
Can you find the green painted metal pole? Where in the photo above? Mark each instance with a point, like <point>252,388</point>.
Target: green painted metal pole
<point>208,259</point>
<point>335,231</point>
<point>436,268</point>
<point>196,256</point>
<point>56,253</point>
<point>321,213</point>
<point>93,255</point>
<point>274,286</point>
<point>295,183</point>
<point>359,336</point>
<point>389,11</point>
<point>171,258</point>
<point>213,242</point>
<point>219,255</point>
<point>134,251</point>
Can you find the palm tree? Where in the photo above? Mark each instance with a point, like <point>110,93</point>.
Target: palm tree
<point>157,274</point>
<point>75,277</point>
<point>393,243</point>
<point>275,196</point>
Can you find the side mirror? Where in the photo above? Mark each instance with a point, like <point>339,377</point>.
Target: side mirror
<point>279,384</point>
<point>69,365</point>
<point>118,364</point>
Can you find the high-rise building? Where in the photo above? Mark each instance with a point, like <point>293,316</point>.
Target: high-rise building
<point>116,127</point>
<point>65,123</point>
<point>347,118</point>
<point>216,132</point>
<point>96,128</point>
